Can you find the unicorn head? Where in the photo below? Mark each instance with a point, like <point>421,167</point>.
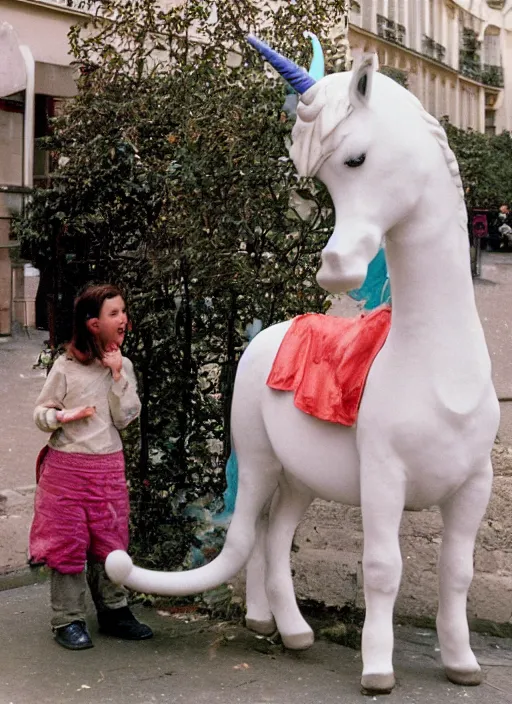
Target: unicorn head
<point>366,138</point>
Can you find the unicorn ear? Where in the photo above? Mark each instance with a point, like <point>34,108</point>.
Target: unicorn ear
<point>361,82</point>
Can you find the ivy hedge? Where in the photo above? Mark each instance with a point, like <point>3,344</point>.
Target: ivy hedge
<point>174,182</point>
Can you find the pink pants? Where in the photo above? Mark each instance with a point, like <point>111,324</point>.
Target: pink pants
<point>81,508</point>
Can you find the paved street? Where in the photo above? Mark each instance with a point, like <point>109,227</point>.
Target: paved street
<point>493,291</point>
<point>20,440</point>
<point>206,661</point>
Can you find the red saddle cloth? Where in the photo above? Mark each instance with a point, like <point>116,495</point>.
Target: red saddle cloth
<point>325,360</point>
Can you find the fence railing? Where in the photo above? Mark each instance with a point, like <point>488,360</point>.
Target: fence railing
<point>89,6</point>
<point>392,31</point>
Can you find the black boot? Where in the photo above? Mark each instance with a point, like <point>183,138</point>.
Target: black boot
<point>121,623</point>
<point>74,636</point>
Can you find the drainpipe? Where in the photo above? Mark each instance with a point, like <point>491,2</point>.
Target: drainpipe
<point>28,118</point>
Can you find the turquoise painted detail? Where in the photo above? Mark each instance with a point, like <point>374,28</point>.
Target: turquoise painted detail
<point>229,495</point>
<point>375,290</point>
<point>317,67</point>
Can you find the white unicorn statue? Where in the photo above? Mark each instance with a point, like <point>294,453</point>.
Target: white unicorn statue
<point>429,414</point>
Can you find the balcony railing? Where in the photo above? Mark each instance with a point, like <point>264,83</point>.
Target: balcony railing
<point>469,65</point>
<point>432,49</point>
<point>391,31</point>
<point>492,75</point>
<point>90,6</point>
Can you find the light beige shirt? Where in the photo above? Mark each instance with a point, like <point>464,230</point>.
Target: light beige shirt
<point>71,384</point>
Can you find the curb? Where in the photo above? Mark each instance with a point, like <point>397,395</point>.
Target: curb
<point>14,498</point>
<point>23,577</point>
<point>20,574</point>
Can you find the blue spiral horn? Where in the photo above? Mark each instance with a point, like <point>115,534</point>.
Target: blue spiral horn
<point>296,76</point>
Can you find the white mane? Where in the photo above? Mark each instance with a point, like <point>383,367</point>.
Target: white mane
<point>319,113</point>
<point>317,133</point>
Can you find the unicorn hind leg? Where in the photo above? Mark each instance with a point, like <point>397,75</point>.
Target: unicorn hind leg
<point>257,466</point>
<point>288,508</point>
<point>259,617</point>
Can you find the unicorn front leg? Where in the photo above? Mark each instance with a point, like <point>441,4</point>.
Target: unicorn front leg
<point>382,503</point>
<point>462,514</point>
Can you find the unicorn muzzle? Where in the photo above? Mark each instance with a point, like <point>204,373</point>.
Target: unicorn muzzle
<point>347,255</point>
<point>339,273</point>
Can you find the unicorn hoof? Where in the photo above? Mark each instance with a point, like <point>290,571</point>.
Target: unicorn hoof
<point>263,628</point>
<point>377,684</point>
<point>466,678</point>
<point>299,641</point>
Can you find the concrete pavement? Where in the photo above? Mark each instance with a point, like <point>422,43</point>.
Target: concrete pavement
<point>20,442</point>
<point>20,384</point>
<point>493,292</point>
<point>197,661</point>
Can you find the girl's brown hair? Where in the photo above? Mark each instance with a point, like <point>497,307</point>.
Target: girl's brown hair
<point>83,344</point>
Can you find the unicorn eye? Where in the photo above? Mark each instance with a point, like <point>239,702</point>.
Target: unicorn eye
<point>356,162</point>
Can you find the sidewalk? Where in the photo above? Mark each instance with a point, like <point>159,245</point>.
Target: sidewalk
<point>20,442</point>
<point>203,662</point>
<point>20,384</point>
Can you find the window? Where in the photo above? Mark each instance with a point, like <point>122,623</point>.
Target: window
<point>490,122</point>
<point>443,107</point>
<point>492,46</point>
<point>46,107</point>
<point>469,118</point>
<point>355,14</point>
<point>432,29</point>
<point>401,11</point>
<point>367,14</point>
<point>401,21</point>
<point>412,24</point>
<point>390,21</point>
<point>432,94</point>
<point>43,113</point>
<point>453,105</point>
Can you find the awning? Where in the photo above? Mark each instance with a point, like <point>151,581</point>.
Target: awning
<point>56,81</point>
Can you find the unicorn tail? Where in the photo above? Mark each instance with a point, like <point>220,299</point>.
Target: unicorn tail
<point>234,555</point>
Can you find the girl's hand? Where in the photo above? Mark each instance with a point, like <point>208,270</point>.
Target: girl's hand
<point>71,414</point>
<point>113,360</point>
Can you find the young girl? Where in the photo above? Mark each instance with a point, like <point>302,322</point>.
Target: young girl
<point>81,504</point>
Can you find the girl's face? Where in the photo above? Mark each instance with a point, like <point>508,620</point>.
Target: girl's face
<point>112,322</point>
